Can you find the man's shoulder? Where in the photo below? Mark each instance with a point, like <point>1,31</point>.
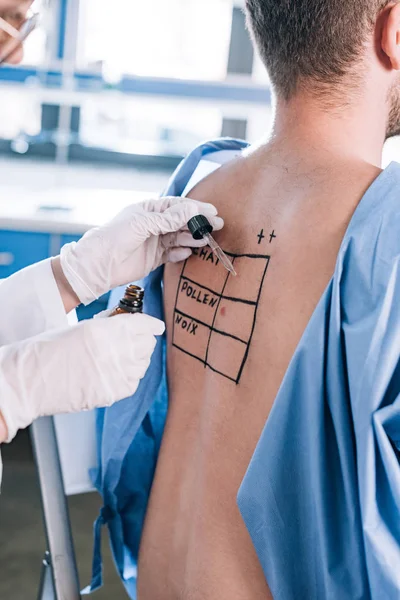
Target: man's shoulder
<point>377,216</point>
<point>370,251</point>
<point>201,161</point>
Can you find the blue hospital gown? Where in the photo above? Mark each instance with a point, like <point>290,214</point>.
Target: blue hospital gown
<point>321,495</point>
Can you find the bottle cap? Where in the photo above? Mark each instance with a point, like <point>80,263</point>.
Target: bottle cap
<point>199,226</point>
<point>134,292</point>
<point>132,302</point>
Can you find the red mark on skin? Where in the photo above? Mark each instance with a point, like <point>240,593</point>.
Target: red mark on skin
<point>223,311</point>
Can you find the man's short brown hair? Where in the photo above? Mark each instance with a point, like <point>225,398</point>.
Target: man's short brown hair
<point>310,42</point>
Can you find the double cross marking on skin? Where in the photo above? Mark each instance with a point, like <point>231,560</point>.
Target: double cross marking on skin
<point>261,236</point>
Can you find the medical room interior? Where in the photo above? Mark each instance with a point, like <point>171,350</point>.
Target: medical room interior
<point>107,101</point>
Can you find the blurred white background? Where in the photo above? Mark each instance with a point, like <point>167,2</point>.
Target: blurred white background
<point>132,82</point>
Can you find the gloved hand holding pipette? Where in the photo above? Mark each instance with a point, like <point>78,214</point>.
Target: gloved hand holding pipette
<point>138,240</point>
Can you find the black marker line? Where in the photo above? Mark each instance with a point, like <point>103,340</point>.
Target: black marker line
<point>205,364</point>
<point>189,354</point>
<point>265,257</point>
<point>254,323</point>
<point>249,302</point>
<point>216,312</point>
<point>225,334</point>
<point>208,326</point>
<point>220,373</point>
<point>176,299</point>
<point>191,318</point>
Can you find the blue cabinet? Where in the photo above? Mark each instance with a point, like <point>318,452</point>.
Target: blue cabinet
<point>67,239</point>
<point>18,249</point>
<point>87,312</point>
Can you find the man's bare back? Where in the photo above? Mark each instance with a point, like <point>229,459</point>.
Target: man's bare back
<point>284,223</point>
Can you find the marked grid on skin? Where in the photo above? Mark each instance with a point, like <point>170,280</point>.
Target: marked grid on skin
<point>203,326</point>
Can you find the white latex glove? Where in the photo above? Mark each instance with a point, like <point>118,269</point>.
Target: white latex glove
<point>90,365</point>
<point>137,241</point>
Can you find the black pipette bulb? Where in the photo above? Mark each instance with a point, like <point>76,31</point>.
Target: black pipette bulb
<point>199,226</point>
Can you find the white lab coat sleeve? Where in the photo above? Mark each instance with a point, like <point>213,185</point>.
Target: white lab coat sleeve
<point>30,303</point>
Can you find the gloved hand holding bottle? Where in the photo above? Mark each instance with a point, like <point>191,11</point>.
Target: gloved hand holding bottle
<point>92,364</point>
<point>100,361</point>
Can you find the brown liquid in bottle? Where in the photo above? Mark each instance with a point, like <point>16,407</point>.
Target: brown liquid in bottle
<point>132,302</point>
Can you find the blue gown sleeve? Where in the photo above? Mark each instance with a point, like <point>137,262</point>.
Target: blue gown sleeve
<point>321,497</point>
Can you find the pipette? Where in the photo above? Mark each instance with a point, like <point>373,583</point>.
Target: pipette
<point>201,228</point>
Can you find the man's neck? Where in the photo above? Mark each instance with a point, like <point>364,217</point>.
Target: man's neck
<point>354,133</point>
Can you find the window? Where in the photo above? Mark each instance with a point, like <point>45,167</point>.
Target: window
<point>260,74</point>
<point>19,113</point>
<point>391,151</point>
<point>152,78</point>
<point>36,45</point>
<point>174,39</point>
<point>184,39</point>
<point>147,126</point>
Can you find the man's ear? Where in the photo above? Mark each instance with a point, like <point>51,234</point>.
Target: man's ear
<point>391,35</point>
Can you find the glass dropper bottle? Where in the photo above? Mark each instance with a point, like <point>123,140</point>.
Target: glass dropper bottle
<point>132,302</point>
